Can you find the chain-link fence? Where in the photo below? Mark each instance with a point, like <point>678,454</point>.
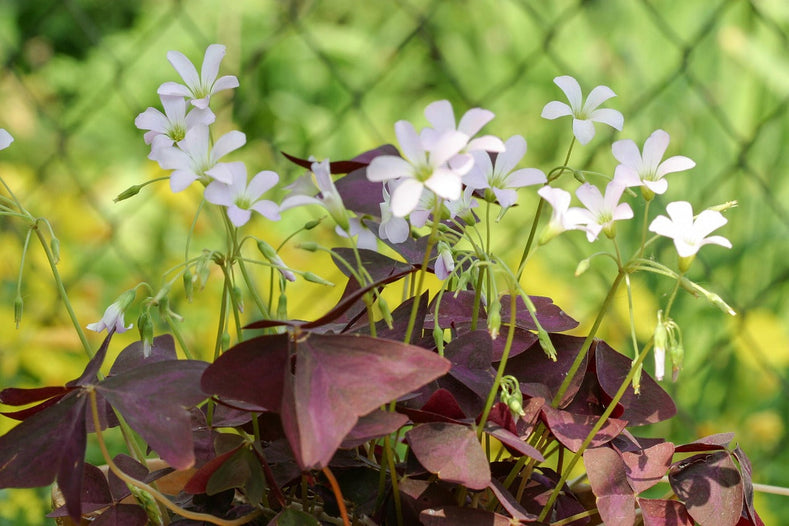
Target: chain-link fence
<point>330,78</point>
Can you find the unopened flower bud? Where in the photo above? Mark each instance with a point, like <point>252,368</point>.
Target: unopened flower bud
<point>718,302</point>
<point>203,272</point>
<point>583,266</point>
<point>438,337</point>
<point>129,192</point>
<point>386,312</point>
<point>546,344</point>
<point>314,278</point>
<point>54,246</point>
<point>677,353</point>
<point>18,307</point>
<point>723,207</point>
<point>238,298</point>
<point>660,339</point>
<point>579,176</point>
<point>310,246</point>
<point>494,318</point>
<point>636,383</point>
<point>271,255</point>
<point>189,280</point>
<point>309,225</point>
<point>145,326</point>
<point>282,307</point>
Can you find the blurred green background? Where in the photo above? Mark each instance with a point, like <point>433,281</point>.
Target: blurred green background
<point>329,79</point>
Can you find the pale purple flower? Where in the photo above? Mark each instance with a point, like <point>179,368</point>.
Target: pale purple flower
<point>418,168</point>
<point>445,263</point>
<point>442,117</point>
<point>324,194</point>
<point>395,229</point>
<point>198,88</point>
<point>644,168</point>
<point>499,177</point>
<point>112,320</point>
<point>365,237</point>
<point>170,127</point>
<point>194,157</point>
<point>463,207</point>
<point>601,211</point>
<point>5,139</point>
<point>239,197</point>
<point>560,221</point>
<point>584,114</point>
<point>689,235</point>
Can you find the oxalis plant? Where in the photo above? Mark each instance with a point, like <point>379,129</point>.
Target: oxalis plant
<point>466,405</point>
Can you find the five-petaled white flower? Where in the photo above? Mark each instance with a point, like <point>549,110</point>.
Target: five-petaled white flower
<point>445,262</point>
<point>5,139</point>
<point>600,212</point>
<point>327,194</point>
<point>395,229</point>
<point>112,320</point>
<point>418,169</point>
<point>194,157</point>
<point>239,197</point>
<point>499,176</point>
<point>689,235</point>
<point>560,221</point>
<point>645,169</point>
<point>442,118</point>
<point>170,127</point>
<point>198,88</point>
<point>584,113</point>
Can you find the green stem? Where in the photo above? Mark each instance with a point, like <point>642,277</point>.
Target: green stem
<point>588,341</point>
<point>595,429</point>
<point>431,241</point>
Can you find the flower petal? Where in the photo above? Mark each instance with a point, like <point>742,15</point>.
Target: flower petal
<point>708,221</point>
<point>405,197</point>
<point>227,143</point>
<point>213,57</point>
<point>678,163</point>
<point>185,68</point>
<point>556,109</point>
<point>440,115</point>
<point>626,152</point>
<point>225,82</point>
<point>386,167</point>
<point>488,143</point>
<point>268,209</point>
<point>654,148</point>
<point>448,145</point>
<point>608,116</point>
<point>659,187</point>
<point>514,150</point>
<point>181,179</point>
<point>218,193</point>
<point>572,90</point>
<point>5,139</point>
<point>409,142</point>
<point>152,119</point>
<point>583,130</point>
<point>238,216</point>
<point>596,97</point>
<point>526,177</point>
<point>445,183</point>
<point>473,121</point>
<point>174,89</point>
<point>261,183</point>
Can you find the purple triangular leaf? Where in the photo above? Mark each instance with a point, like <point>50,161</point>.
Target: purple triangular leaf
<point>709,443</point>
<point>745,472</point>
<point>162,348</point>
<point>72,460</point>
<point>95,493</point>
<point>661,512</point>
<point>20,396</point>
<point>373,425</point>
<point>571,429</point>
<point>711,487</point>
<point>471,354</point>
<point>454,309</point>
<point>26,413</point>
<point>122,515</point>
<point>155,399</point>
<point>456,516</point>
<point>89,375</point>
<point>509,503</point>
<point>31,452</point>
<point>252,371</point>
<point>440,407</point>
<point>550,316</point>
<point>615,498</point>
<point>646,467</point>
<point>339,378</point>
<point>533,366</point>
<point>514,443</point>
<point>376,264</point>
<point>118,488</point>
<point>652,405</point>
<point>452,452</point>
<point>361,195</point>
<point>401,317</point>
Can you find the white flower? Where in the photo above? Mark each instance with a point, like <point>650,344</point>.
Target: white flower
<point>689,235</point>
<point>442,118</point>
<point>645,169</point>
<point>395,229</point>
<point>462,207</point>
<point>366,238</point>
<point>600,212</point>
<point>5,139</point>
<point>584,113</point>
<point>171,126</point>
<point>194,156</point>
<point>445,263</point>
<point>417,169</point>
<point>560,221</point>
<point>198,88</point>
<point>499,177</point>
<point>239,197</point>
<point>112,320</point>
<point>328,196</point>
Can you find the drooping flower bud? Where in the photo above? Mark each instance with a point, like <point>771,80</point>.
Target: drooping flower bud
<point>494,318</point>
<point>583,266</point>
<point>129,192</point>
<point>386,312</point>
<point>546,343</point>
<point>438,337</point>
<point>18,307</point>
<point>660,339</point>
<point>273,257</point>
<point>189,280</point>
<point>314,278</point>
<point>145,326</point>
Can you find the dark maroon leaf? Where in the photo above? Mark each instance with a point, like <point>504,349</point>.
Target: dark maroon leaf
<point>413,251</point>
<point>400,319</point>
<point>89,375</point>
<point>509,503</point>
<point>440,407</point>
<point>252,371</point>
<point>30,411</point>
<point>361,195</point>
<point>198,482</point>
<point>31,452</point>
<point>122,515</point>
<point>19,396</point>
<point>131,467</point>
<point>615,498</point>
<point>72,459</point>
<point>661,512</point>
<point>95,493</point>
<point>162,348</point>
<point>646,467</point>
<point>514,443</point>
<point>710,443</point>
<point>745,472</point>
<point>539,488</point>
<point>336,167</point>
<point>710,486</point>
<point>571,429</point>
<point>374,425</point>
<point>652,405</point>
<point>551,317</point>
<point>522,341</point>
<point>454,309</point>
<point>155,399</point>
<point>533,366</point>
<point>471,354</point>
<point>339,378</point>
<point>452,452</point>
<point>376,264</point>
<point>455,516</point>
